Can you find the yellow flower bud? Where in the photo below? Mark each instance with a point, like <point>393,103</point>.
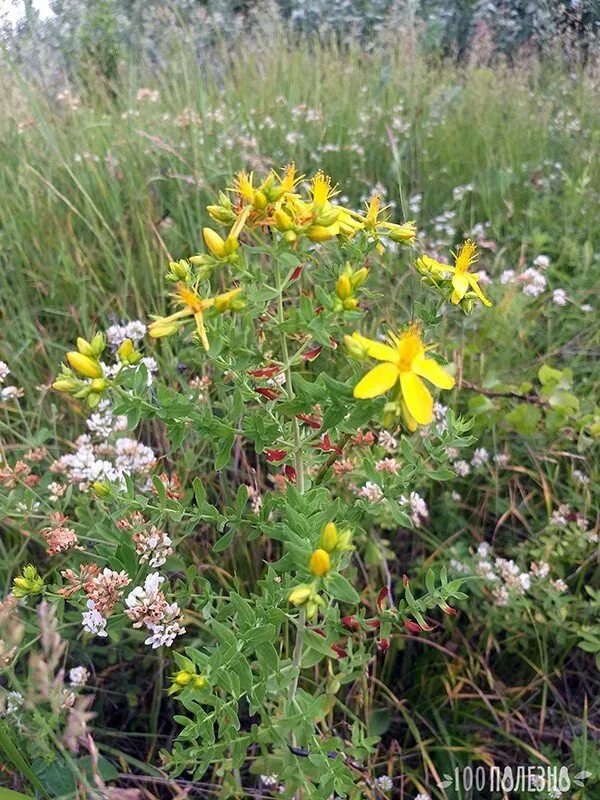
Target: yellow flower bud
<point>101,489</point>
<point>300,594</point>
<point>84,347</point>
<point>350,303</point>
<point>359,277</point>
<point>320,563</point>
<point>355,346</point>
<point>66,384</point>
<point>329,537</point>
<point>402,233</point>
<point>98,344</point>
<point>290,237</point>
<point>214,242</point>
<point>28,583</point>
<point>180,269</point>
<point>328,217</point>
<point>283,221</point>
<point>221,214</point>
<point>93,399</point>
<point>227,300</point>
<point>182,678</point>
<point>311,609</point>
<point>125,348</point>
<point>343,287</point>
<point>99,385</point>
<point>162,327</point>
<point>199,682</point>
<point>319,233</point>
<point>84,365</point>
<point>260,201</point>
<point>231,244</point>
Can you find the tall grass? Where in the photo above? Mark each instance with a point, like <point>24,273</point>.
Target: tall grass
<point>94,200</point>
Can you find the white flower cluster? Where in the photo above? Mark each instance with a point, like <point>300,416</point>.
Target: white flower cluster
<point>104,462</point>
<point>8,392</point>
<point>134,330</point>
<point>153,547</point>
<point>13,701</point>
<point>147,605</point>
<point>439,416</point>
<point>418,508</point>
<point>564,515</point>
<point>507,578</point>
<point>103,423</point>
<point>480,458</point>
<point>78,677</point>
<point>371,491</point>
<point>92,620</point>
<point>385,783</point>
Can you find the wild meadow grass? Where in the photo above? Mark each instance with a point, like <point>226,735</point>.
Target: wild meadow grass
<point>100,191</point>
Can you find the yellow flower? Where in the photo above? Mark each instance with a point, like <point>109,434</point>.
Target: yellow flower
<point>462,280</point>
<point>376,221</point>
<point>403,360</point>
<point>182,678</point>
<point>320,563</point>
<point>321,190</point>
<point>193,306</point>
<point>329,537</point>
<point>300,594</point>
<point>86,366</point>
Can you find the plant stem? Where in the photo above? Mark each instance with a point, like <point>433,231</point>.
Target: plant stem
<point>299,463</point>
<point>297,658</point>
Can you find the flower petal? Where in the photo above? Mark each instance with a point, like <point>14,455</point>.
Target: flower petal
<point>431,265</point>
<point>376,382</point>
<point>417,398</point>
<point>461,286</point>
<point>430,370</point>
<point>477,289</point>
<point>369,347</point>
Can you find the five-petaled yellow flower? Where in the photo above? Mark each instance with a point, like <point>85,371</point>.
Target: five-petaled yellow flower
<point>462,279</point>
<point>403,360</point>
<point>193,305</point>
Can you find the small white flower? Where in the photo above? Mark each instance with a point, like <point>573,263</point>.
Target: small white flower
<point>507,276</point>
<point>92,620</point>
<point>12,704</point>
<point>587,308</point>
<point>269,781</point>
<point>163,635</point>
<point>78,677</point>
<point>480,457</point>
<point>371,491</point>
<point>11,393</point>
<point>385,783</point>
<point>580,477</point>
<point>559,297</point>
<point>541,262</point>
<point>4,371</point>
<point>461,468</point>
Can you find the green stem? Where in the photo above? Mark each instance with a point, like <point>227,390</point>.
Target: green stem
<point>297,658</point>
<point>289,386</point>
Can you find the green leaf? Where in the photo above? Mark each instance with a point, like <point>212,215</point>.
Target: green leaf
<point>341,589</point>
<point>8,794</point>
<point>524,418</point>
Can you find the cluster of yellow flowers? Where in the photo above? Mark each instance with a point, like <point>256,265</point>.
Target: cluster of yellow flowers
<point>85,377</point>
<point>331,541</point>
<point>276,205</point>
